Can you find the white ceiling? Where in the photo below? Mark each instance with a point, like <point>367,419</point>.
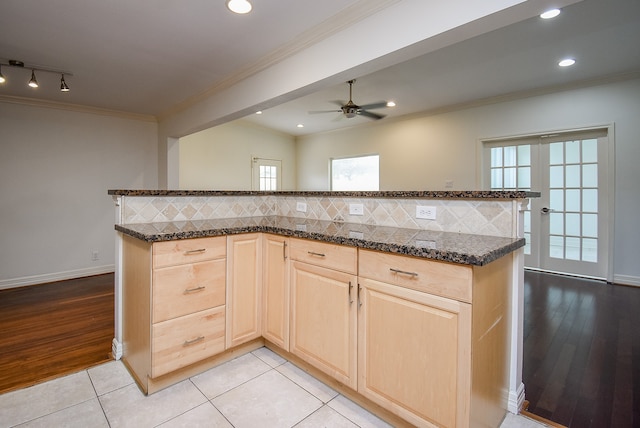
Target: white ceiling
<point>148,56</point>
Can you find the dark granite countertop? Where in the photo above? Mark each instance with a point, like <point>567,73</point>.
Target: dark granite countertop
<point>451,247</point>
<point>430,194</point>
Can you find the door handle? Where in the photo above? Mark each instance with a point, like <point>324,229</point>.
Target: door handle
<point>546,210</point>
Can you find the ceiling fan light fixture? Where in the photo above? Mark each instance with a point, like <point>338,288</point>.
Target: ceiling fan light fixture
<point>63,85</point>
<point>239,6</point>
<point>551,13</point>
<point>33,82</point>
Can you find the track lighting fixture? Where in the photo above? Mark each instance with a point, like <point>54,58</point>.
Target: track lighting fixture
<point>33,82</point>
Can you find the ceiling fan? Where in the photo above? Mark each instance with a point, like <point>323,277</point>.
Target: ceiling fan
<point>350,109</point>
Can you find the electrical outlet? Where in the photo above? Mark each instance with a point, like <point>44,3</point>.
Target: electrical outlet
<point>356,235</point>
<point>356,209</point>
<point>301,206</point>
<point>95,255</point>
<point>448,184</point>
<point>430,245</point>
<point>426,212</point>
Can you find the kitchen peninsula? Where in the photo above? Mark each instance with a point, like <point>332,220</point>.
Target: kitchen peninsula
<point>419,317</point>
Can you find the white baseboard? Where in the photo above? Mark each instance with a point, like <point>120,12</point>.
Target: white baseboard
<point>626,280</point>
<point>55,276</point>
<point>516,400</point>
<point>116,349</point>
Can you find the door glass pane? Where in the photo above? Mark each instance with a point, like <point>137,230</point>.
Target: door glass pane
<point>572,224</point>
<point>509,178</point>
<point>590,150</point>
<point>590,225</point>
<point>573,152</point>
<point>556,223</point>
<point>590,175</point>
<point>556,177</point>
<point>527,221</point>
<point>510,156</point>
<point>556,200</point>
<point>527,245</point>
<point>573,200</point>
<point>556,153</point>
<point>590,200</point>
<point>496,179</point>
<point>556,247</point>
<point>590,250</point>
<point>496,156</point>
<point>524,178</point>
<point>572,250</point>
<point>573,175</point>
<point>524,155</point>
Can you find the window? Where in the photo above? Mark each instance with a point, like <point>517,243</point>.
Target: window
<point>356,173</point>
<point>266,174</point>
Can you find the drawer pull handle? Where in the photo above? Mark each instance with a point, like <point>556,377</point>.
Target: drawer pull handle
<point>194,289</point>
<point>403,272</point>
<point>198,251</point>
<point>193,341</point>
<point>315,254</point>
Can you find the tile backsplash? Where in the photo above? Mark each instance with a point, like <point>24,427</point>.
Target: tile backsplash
<point>493,217</point>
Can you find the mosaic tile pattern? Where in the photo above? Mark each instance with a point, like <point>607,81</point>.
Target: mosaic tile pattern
<point>490,217</point>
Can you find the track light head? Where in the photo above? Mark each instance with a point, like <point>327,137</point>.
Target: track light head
<point>63,85</point>
<point>33,82</point>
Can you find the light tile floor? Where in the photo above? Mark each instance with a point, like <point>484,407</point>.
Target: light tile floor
<point>259,389</point>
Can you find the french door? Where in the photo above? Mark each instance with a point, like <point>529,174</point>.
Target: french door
<point>567,228</point>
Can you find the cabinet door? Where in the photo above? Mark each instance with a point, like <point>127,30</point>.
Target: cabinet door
<point>275,320</point>
<point>414,354</point>
<point>244,288</point>
<point>323,320</point>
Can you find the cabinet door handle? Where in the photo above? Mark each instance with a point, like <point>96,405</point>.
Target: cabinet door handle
<point>284,250</point>
<point>349,296</point>
<point>198,251</point>
<point>194,289</point>
<point>359,299</point>
<point>315,254</point>
<point>403,272</point>
<point>193,341</point>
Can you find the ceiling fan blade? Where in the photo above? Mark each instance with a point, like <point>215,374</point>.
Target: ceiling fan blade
<point>379,104</point>
<point>370,115</point>
<point>323,111</point>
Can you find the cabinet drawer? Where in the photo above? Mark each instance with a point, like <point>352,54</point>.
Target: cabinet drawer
<point>182,341</point>
<point>184,289</point>
<point>183,251</point>
<point>434,277</point>
<point>332,256</point>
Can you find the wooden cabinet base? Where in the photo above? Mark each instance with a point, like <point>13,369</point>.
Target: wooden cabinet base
<point>149,386</point>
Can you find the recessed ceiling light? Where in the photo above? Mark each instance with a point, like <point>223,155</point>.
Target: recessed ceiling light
<point>567,62</point>
<point>259,112</point>
<point>300,125</point>
<point>391,104</point>
<point>239,6</point>
<point>551,13</point>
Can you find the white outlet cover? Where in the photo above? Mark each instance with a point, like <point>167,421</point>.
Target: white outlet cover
<point>356,209</point>
<point>426,212</point>
<point>301,206</point>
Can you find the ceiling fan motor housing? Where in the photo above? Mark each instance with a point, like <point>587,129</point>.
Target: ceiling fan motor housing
<point>350,111</point>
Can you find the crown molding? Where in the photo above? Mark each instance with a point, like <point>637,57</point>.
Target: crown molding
<point>346,18</point>
<point>34,102</point>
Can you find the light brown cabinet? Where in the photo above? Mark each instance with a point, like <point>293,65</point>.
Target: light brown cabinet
<point>173,304</point>
<point>244,288</point>
<point>323,309</point>
<point>275,288</point>
<point>431,359</point>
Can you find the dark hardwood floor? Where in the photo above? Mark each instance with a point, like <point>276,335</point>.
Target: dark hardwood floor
<point>53,329</point>
<point>582,351</point>
<point>581,343</point>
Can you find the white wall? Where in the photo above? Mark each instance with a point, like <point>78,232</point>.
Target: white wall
<point>55,169</point>
<point>424,152</point>
<point>219,158</point>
